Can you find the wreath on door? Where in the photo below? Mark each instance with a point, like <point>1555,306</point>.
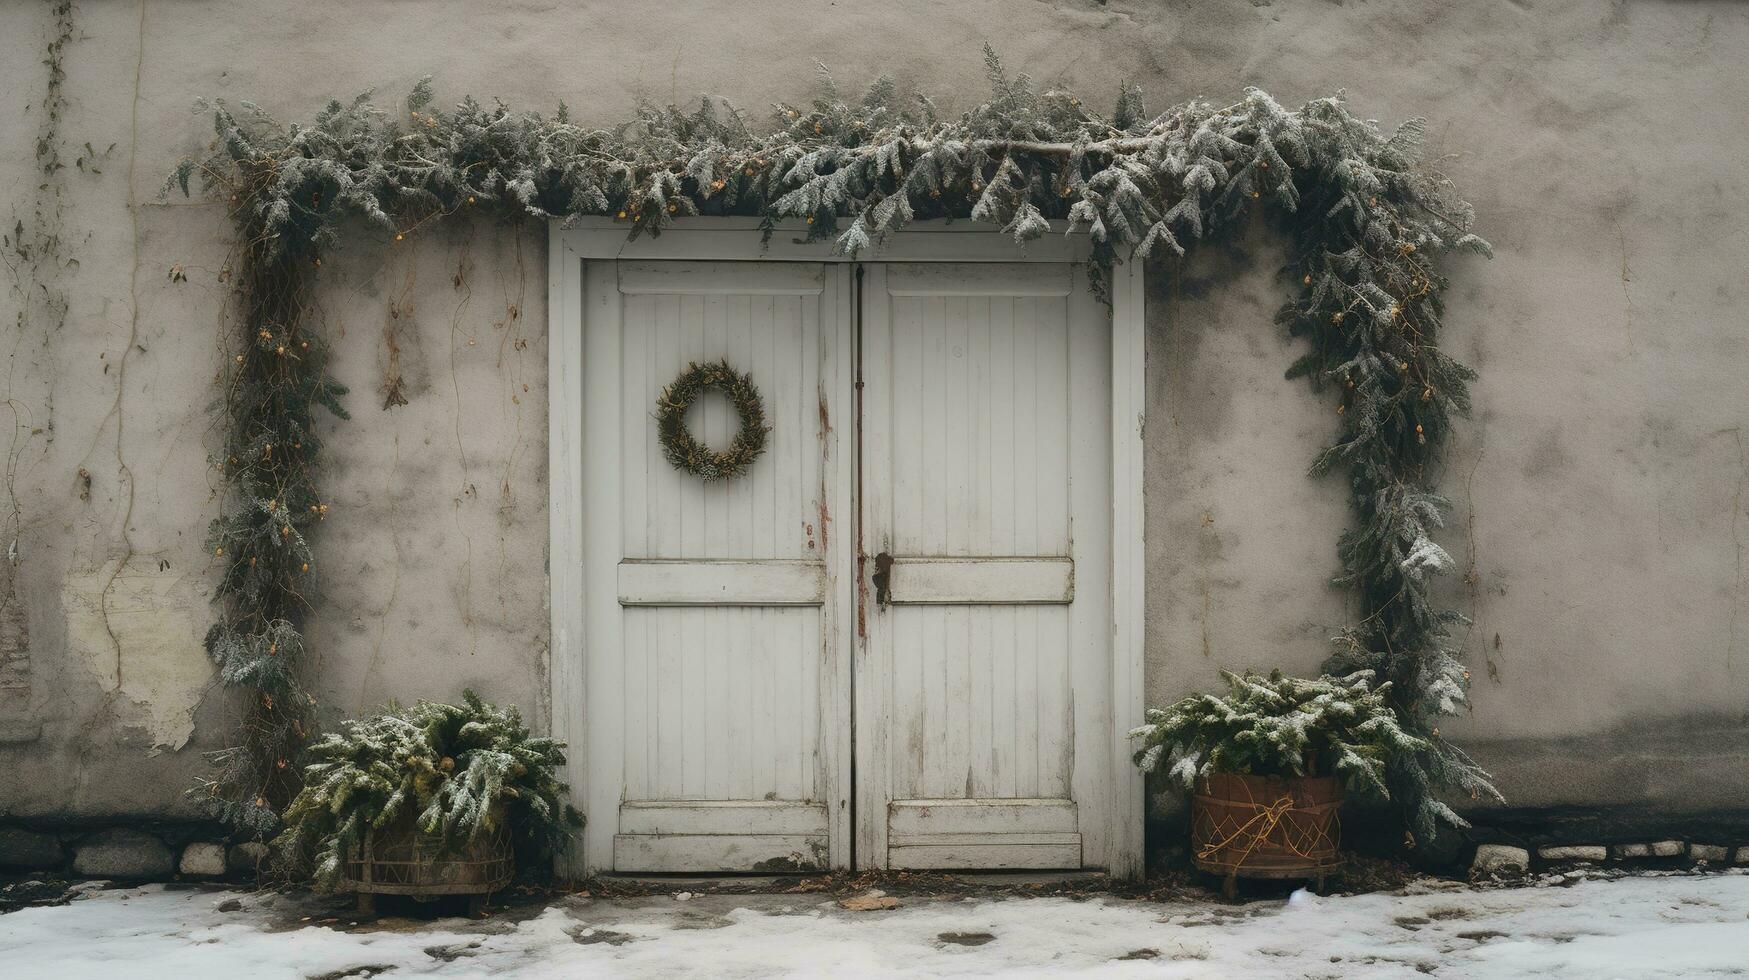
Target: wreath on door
<point>678,442</point>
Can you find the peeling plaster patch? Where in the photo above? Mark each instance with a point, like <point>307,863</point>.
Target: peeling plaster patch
<point>155,621</point>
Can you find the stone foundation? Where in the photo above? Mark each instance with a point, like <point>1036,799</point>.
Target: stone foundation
<point>144,851</point>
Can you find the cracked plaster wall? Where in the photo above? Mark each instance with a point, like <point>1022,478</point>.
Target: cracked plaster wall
<point>1600,488</point>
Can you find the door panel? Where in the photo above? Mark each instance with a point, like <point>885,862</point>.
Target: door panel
<point>718,654</point>
<point>721,618</point>
<point>985,491</point>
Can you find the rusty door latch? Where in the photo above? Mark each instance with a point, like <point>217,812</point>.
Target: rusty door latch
<point>883,579</point>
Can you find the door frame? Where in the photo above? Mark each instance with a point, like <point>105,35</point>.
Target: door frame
<point>738,239</point>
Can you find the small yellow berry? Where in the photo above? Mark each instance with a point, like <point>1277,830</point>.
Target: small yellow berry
<point>399,236</point>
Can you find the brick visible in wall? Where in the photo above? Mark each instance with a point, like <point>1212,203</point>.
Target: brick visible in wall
<point>14,636</point>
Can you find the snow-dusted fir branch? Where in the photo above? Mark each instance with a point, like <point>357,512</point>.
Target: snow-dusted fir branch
<point>1280,726</point>
<point>453,771</point>
<point>1367,215</point>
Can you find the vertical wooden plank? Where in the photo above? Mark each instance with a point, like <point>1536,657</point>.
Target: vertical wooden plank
<point>874,685</point>
<point>838,522</point>
<point>1059,646</point>
<point>599,559</point>
<point>713,661</point>
<point>1129,401</point>
<point>565,347</point>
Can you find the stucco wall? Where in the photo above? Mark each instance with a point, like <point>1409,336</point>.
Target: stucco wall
<point>1600,488</point>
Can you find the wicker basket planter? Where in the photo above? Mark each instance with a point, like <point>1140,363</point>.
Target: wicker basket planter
<point>1266,827</point>
<point>400,859</point>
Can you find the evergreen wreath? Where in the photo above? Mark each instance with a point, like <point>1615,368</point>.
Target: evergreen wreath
<point>1366,215</point>
<point>685,451</point>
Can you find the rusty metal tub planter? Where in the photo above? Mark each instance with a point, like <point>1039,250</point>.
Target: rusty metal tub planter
<point>1266,827</point>
<point>401,859</point>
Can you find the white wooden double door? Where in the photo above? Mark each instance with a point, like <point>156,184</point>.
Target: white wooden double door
<point>888,644</point>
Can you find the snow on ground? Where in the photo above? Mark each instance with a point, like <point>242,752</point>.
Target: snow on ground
<point>1641,927</point>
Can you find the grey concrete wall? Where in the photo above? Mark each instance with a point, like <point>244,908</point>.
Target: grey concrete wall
<point>1600,487</point>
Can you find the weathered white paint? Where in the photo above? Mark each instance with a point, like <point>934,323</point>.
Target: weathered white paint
<point>1129,400</point>
<point>1021,852</point>
<point>986,435</point>
<point>772,582</point>
<point>961,816</point>
<point>565,556</point>
<point>715,645</point>
<point>1021,572</point>
<point>722,817</point>
<point>694,835</point>
<point>737,240</point>
<point>721,279</point>
<point>982,581</point>
<point>719,852</point>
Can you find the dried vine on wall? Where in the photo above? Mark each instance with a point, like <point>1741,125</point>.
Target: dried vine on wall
<point>1366,216</point>
<point>35,252</point>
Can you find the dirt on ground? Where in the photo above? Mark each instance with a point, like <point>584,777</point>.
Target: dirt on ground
<point>1360,874</point>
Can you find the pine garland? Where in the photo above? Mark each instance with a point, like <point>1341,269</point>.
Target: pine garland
<point>686,452</point>
<point>1367,219</point>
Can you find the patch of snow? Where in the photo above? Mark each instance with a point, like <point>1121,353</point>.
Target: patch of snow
<point>1642,926</point>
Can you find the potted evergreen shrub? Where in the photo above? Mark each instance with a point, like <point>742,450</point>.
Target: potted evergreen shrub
<point>425,801</point>
<point>1267,765</point>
